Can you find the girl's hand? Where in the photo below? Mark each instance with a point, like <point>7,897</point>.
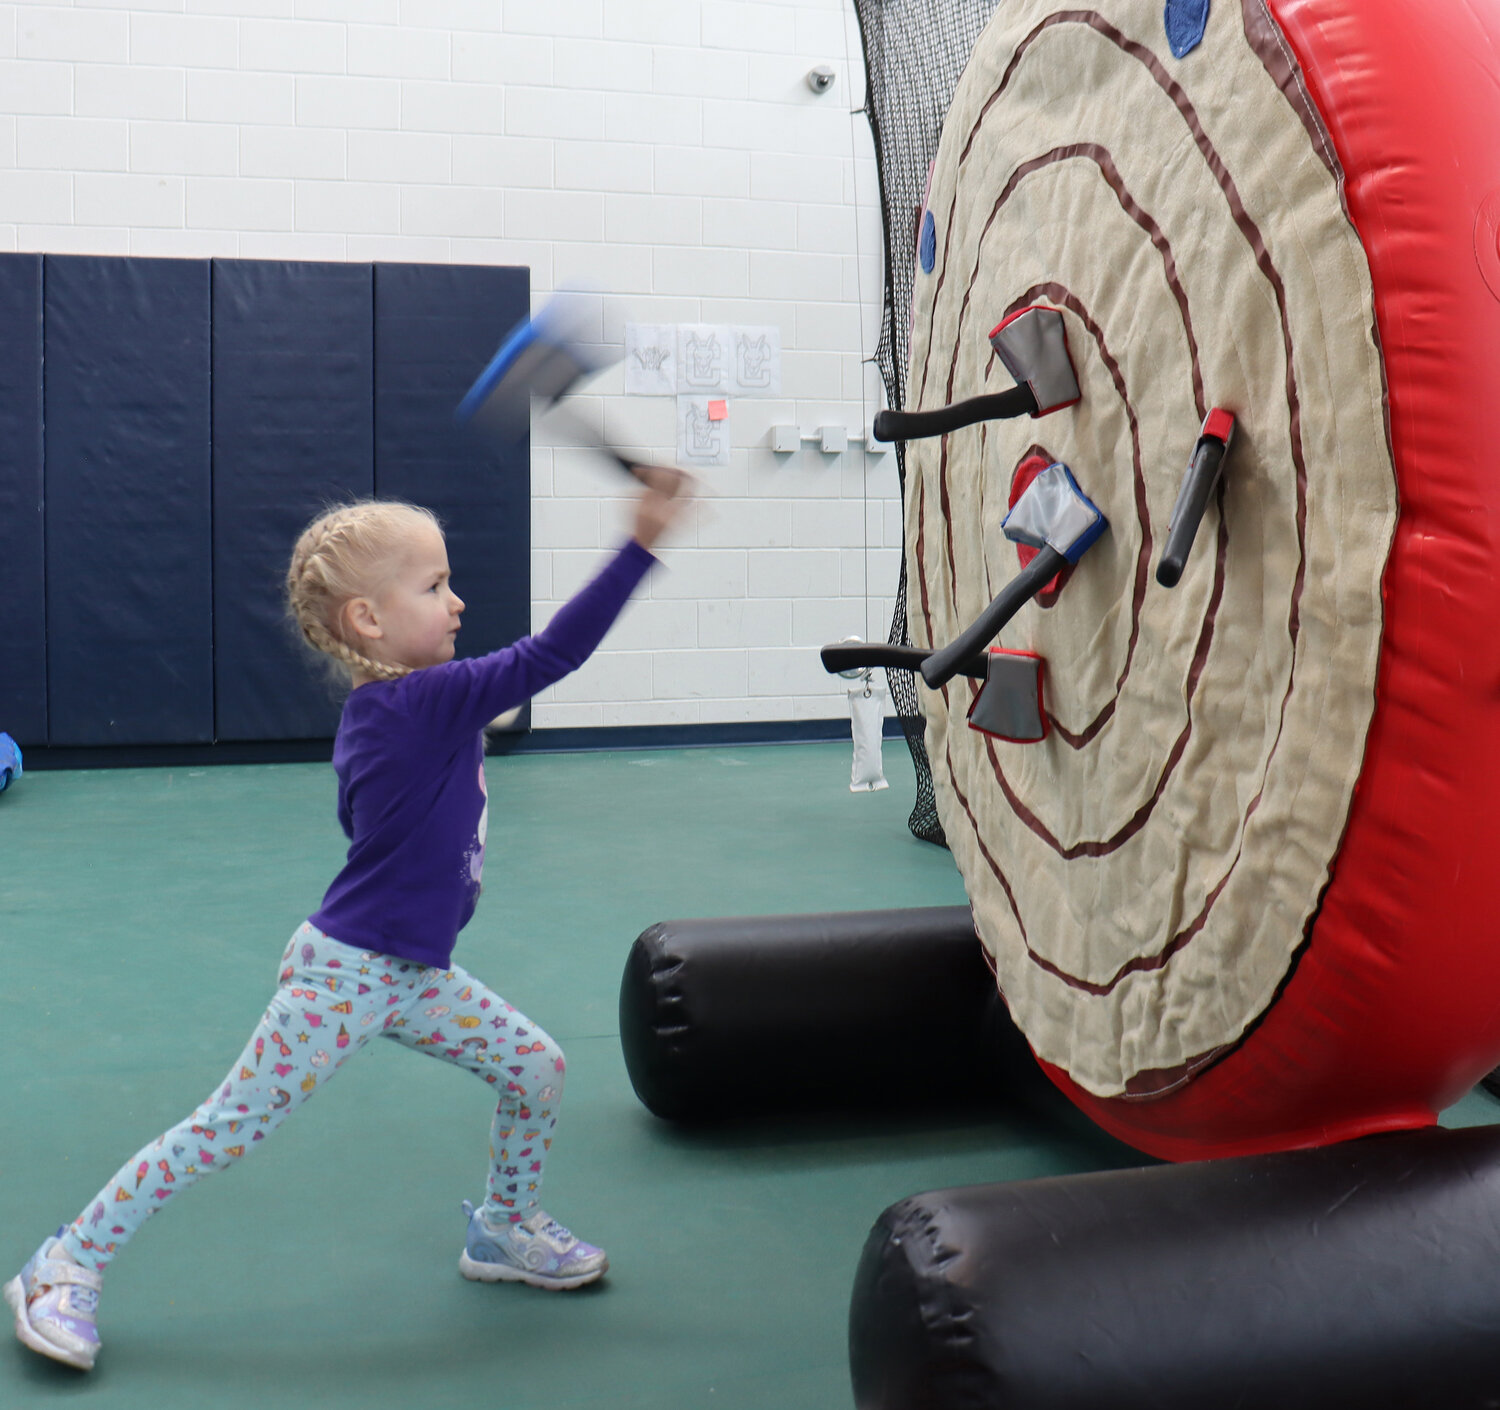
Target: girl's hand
<point>666,495</point>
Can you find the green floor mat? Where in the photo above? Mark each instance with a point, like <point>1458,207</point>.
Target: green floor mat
<point>142,916</point>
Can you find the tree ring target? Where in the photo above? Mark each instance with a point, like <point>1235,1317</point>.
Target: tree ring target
<point>1145,877</point>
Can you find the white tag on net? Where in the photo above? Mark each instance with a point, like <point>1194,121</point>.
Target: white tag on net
<point>867,723</point>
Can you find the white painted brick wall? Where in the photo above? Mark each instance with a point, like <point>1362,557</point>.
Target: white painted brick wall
<point>129,91</point>
<point>58,32</point>
<point>667,151</point>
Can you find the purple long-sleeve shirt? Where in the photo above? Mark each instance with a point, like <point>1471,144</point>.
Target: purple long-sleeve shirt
<point>410,762</point>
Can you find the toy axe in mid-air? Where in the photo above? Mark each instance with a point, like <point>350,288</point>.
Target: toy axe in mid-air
<point>1053,516</point>
<point>545,357</point>
<point>1033,345</point>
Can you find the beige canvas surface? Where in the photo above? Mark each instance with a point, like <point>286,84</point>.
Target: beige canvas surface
<point>1145,876</point>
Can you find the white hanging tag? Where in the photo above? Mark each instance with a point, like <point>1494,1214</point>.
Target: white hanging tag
<point>867,724</point>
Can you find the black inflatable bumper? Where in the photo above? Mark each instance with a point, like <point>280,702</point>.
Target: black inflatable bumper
<point>1365,1274</point>
<point>720,1018</point>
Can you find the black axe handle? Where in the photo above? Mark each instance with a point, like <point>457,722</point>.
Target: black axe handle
<point>916,425</point>
<point>858,655</point>
<point>939,668</point>
<point>1192,499</point>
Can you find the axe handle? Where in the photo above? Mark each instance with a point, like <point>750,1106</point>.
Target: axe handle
<point>588,437</point>
<point>1197,485</point>
<point>940,667</point>
<point>915,425</point>
<point>856,655</point>
<point>628,466</point>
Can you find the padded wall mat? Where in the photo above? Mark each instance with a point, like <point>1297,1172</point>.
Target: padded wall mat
<point>293,405</point>
<point>23,675</point>
<point>171,425</point>
<point>436,326</point>
<point>129,607</point>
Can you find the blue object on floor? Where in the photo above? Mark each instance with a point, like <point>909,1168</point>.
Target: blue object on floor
<point>10,760</point>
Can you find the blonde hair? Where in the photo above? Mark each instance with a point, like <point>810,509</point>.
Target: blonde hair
<point>346,552</point>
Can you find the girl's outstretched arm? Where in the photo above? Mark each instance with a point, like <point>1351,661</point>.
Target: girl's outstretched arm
<point>464,696</point>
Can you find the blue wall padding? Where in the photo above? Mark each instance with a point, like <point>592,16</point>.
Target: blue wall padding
<point>436,326</point>
<point>128,571</point>
<point>293,407</point>
<point>169,426</point>
<point>23,627</point>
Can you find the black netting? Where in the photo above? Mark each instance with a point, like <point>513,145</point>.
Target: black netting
<point>915,51</point>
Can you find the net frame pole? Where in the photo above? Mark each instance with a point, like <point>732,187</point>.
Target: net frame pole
<point>914,53</point>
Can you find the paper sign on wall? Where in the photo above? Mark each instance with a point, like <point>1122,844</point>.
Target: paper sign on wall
<point>704,364</point>
<point>702,359</point>
<point>651,359</point>
<point>757,361</point>
<point>702,431</point>
<point>705,358</point>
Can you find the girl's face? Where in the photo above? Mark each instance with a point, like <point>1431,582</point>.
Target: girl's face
<point>413,617</point>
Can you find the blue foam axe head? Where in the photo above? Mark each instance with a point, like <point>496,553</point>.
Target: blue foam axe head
<point>544,356</point>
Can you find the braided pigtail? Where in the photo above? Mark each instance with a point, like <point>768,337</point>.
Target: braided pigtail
<point>343,554</point>
<point>317,636</point>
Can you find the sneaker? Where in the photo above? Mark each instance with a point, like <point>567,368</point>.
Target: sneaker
<point>538,1251</point>
<point>56,1302</point>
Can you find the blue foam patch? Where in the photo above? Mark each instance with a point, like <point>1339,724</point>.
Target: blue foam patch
<point>1185,21</point>
<point>927,244</point>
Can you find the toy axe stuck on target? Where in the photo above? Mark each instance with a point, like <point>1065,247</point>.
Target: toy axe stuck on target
<point>1192,499</point>
<point>1033,345</point>
<point>1053,516</point>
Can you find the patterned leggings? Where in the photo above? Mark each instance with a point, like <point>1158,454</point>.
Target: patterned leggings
<point>331,1001</point>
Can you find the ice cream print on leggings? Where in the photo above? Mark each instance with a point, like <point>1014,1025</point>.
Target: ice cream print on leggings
<point>331,999</point>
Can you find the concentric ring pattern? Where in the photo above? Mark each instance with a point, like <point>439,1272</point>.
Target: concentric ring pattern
<point>1145,877</point>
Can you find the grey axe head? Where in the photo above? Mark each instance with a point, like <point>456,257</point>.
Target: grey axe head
<point>1054,513</point>
<point>1033,345</point>
<point>1009,704</point>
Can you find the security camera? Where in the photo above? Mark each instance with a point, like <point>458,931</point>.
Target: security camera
<point>820,79</point>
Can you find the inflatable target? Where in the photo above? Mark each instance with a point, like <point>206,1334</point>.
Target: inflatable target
<point>1238,890</point>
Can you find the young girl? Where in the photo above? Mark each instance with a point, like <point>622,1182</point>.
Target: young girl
<point>368,584</point>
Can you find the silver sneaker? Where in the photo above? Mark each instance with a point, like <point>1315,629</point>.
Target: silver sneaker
<point>56,1302</point>
<point>538,1250</point>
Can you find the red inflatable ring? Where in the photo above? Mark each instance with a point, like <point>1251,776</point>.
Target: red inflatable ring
<point>1387,1008</point>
